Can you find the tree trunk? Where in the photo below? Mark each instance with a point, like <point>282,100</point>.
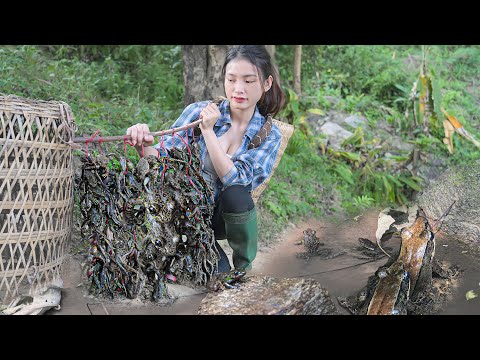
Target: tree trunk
<point>271,51</point>
<point>216,57</point>
<point>194,72</point>
<point>202,71</point>
<point>297,70</point>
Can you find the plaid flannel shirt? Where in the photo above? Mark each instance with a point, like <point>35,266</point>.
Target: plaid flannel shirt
<point>251,167</point>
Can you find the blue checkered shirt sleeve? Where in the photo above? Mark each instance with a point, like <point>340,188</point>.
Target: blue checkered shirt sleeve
<point>254,166</point>
<point>189,114</point>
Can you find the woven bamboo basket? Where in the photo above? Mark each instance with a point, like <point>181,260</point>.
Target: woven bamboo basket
<point>287,131</point>
<point>36,193</point>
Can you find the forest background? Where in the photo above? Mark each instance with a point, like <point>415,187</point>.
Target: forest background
<point>110,88</point>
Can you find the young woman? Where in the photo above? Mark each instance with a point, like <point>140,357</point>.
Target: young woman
<point>230,166</point>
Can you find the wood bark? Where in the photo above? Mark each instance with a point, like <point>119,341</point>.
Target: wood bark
<point>202,71</point>
<point>271,51</point>
<point>297,70</point>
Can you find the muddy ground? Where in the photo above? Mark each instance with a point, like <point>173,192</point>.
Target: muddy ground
<point>342,275</point>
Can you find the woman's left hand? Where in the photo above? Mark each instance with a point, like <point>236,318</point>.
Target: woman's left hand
<point>210,115</point>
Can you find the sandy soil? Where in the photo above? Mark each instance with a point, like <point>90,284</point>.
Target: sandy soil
<point>341,276</point>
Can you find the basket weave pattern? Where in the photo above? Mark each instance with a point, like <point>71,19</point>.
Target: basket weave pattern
<point>36,192</point>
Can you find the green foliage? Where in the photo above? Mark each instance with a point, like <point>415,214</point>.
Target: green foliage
<point>377,81</point>
<point>364,170</point>
<point>427,143</point>
<point>299,142</point>
<point>112,87</point>
<point>363,201</point>
<point>356,204</point>
<point>386,187</point>
<point>462,63</point>
<point>359,69</point>
<point>108,87</point>
<point>291,109</point>
<point>345,172</point>
<point>300,185</point>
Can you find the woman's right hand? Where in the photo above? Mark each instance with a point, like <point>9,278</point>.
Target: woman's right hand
<point>140,134</point>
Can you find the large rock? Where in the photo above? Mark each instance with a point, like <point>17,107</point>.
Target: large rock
<point>264,295</point>
<point>356,121</point>
<point>462,184</point>
<point>335,134</point>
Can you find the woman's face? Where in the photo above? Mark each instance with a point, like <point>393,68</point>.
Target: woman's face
<point>243,85</point>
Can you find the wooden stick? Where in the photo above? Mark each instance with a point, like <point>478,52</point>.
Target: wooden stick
<point>128,137</point>
<point>442,216</point>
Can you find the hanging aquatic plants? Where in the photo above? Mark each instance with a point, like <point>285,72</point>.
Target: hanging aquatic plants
<point>146,224</point>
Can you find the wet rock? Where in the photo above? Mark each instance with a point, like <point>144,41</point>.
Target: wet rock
<point>264,295</point>
<point>458,184</point>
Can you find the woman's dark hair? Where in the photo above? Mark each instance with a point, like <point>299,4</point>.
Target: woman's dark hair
<point>273,100</point>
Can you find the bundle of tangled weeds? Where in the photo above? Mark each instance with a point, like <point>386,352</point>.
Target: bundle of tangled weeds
<point>146,224</point>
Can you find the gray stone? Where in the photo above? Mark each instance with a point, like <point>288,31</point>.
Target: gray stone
<point>337,117</point>
<point>356,121</point>
<point>264,295</point>
<point>316,121</point>
<point>336,134</point>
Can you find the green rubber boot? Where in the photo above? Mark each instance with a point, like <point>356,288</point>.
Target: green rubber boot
<point>242,236</point>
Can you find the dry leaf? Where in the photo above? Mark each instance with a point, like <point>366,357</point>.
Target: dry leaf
<point>459,128</point>
<point>470,295</point>
<point>384,222</point>
<point>449,131</point>
<point>412,215</point>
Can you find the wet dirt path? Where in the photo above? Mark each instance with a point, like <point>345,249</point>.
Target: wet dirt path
<point>341,276</point>
<point>344,275</point>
